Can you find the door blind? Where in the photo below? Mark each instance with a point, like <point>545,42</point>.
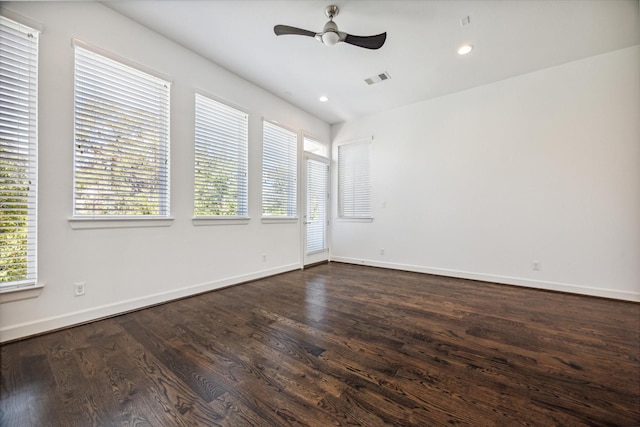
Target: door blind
<point>279,171</point>
<point>316,221</point>
<point>220,159</point>
<point>121,139</point>
<point>18,153</point>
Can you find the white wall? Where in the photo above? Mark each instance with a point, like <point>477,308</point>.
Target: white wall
<point>479,184</point>
<point>129,268</point>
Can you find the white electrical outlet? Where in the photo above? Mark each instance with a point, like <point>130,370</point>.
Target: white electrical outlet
<point>79,288</point>
<point>381,251</point>
<point>535,265</point>
<point>264,257</point>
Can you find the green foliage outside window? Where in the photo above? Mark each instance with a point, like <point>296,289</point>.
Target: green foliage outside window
<point>14,187</point>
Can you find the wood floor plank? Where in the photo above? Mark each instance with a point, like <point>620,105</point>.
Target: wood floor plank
<point>340,345</point>
<point>39,390</point>
<point>203,384</point>
<point>14,405</point>
<point>168,401</point>
<point>236,413</point>
<point>260,372</point>
<point>75,404</point>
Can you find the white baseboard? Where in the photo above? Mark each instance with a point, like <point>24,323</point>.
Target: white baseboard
<point>551,286</point>
<point>13,332</point>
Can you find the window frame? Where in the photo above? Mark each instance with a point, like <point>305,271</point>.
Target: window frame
<point>129,70</point>
<point>238,142</point>
<point>356,214</point>
<point>291,166</point>
<point>315,146</point>
<point>20,142</point>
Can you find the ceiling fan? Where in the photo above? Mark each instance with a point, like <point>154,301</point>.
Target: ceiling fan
<point>330,34</point>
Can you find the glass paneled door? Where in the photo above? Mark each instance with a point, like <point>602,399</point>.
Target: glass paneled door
<point>316,209</point>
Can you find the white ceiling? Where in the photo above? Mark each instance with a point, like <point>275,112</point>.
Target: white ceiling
<point>510,38</point>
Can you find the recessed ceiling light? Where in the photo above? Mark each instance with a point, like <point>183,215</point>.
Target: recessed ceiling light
<point>463,50</point>
<point>323,98</point>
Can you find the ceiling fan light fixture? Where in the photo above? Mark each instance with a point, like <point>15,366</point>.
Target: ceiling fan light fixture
<point>463,50</point>
<point>330,38</point>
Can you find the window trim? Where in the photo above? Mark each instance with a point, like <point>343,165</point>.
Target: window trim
<point>121,59</point>
<point>278,219</point>
<point>202,220</point>
<point>220,220</point>
<point>319,141</point>
<point>93,221</point>
<point>16,293</point>
<point>28,287</point>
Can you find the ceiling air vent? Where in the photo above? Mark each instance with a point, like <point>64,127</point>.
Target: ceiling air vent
<point>377,78</point>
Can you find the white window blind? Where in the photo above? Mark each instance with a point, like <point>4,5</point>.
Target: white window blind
<point>220,159</point>
<point>279,171</point>
<point>18,153</point>
<point>316,220</point>
<point>121,139</point>
<point>354,180</point>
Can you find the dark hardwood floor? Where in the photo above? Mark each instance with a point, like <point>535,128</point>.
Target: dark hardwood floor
<point>338,344</point>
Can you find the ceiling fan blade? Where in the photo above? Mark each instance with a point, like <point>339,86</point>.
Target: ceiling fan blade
<point>282,30</point>
<point>368,42</point>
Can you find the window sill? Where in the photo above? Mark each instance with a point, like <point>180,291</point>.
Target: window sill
<point>220,220</point>
<point>355,219</point>
<point>279,220</point>
<point>16,293</point>
<point>92,223</point>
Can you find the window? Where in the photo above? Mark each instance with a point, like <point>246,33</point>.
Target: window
<point>354,180</point>
<point>121,165</point>
<point>315,147</point>
<point>221,160</point>
<point>279,171</point>
<point>18,153</point>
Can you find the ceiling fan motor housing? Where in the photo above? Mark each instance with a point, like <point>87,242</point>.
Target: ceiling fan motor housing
<point>330,35</point>
<point>330,26</point>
